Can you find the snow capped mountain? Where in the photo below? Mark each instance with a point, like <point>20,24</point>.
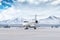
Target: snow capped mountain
<point>53,17</point>
<point>50,20</point>
<point>15,21</point>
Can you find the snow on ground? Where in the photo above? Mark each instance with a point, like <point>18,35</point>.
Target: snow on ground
<point>30,34</point>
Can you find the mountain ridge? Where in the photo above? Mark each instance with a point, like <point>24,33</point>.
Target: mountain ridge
<point>50,19</point>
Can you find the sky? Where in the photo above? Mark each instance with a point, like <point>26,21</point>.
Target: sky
<point>11,9</point>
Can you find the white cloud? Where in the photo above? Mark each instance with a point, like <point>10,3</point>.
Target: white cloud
<point>9,13</point>
<point>21,0</point>
<point>32,1</point>
<point>0,0</point>
<point>37,2</point>
<point>12,12</point>
<point>0,3</point>
<point>43,0</point>
<point>55,2</point>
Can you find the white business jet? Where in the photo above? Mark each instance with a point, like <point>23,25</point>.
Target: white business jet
<point>31,24</point>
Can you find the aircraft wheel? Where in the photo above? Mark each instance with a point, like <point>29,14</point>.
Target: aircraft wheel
<point>56,26</point>
<point>34,27</point>
<point>51,26</point>
<point>7,26</point>
<point>26,28</point>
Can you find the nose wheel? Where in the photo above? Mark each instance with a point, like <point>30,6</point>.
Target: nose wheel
<point>26,28</point>
<point>34,27</point>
